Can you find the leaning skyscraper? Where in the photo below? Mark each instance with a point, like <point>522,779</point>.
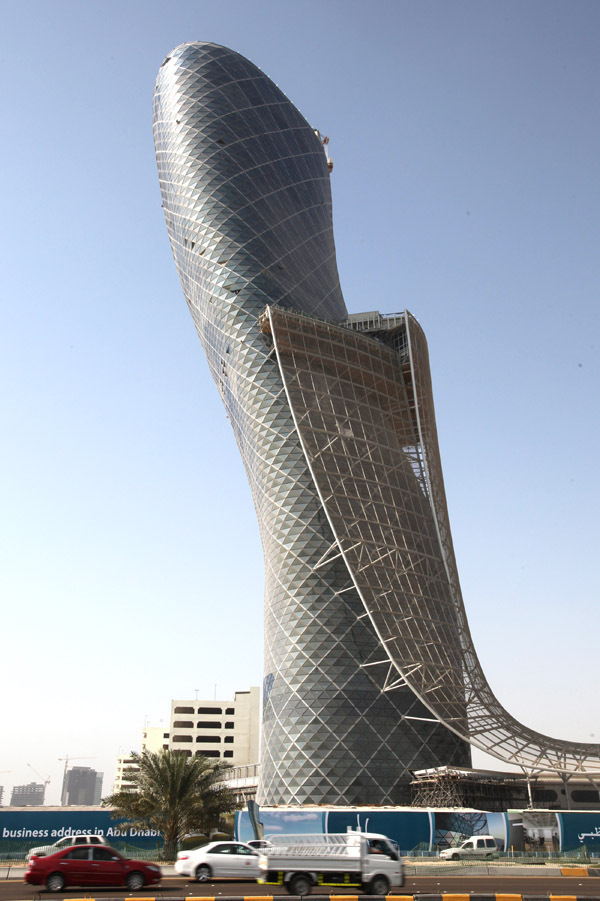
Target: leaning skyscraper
<point>370,671</point>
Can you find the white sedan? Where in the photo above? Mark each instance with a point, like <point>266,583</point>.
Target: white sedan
<point>219,860</point>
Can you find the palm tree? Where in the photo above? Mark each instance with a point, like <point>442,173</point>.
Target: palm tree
<point>173,794</point>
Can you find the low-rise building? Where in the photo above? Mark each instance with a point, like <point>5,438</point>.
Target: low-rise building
<point>221,729</point>
<point>154,738</point>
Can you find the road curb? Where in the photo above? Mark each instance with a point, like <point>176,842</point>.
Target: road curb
<point>580,871</point>
<point>424,896</point>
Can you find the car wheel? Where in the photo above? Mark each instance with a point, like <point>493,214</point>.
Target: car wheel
<point>379,886</point>
<point>455,857</point>
<point>55,882</point>
<point>300,885</point>
<point>203,873</point>
<point>134,881</point>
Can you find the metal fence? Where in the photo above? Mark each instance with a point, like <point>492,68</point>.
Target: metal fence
<point>16,850</point>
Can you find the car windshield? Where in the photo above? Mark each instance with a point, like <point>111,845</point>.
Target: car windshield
<point>388,846</point>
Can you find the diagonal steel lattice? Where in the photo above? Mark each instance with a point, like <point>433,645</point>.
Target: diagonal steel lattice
<point>370,670</point>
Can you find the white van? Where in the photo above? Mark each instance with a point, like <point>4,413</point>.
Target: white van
<point>476,847</point>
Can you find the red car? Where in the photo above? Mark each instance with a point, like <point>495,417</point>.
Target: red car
<point>90,865</point>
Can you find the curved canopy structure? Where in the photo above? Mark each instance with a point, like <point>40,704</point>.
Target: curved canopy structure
<point>370,670</point>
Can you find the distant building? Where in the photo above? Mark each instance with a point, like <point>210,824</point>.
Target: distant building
<point>225,730</point>
<point>121,780</point>
<point>82,786</point>
<point>31,795</point>
<point>154,738</point>
<point>1,793</point>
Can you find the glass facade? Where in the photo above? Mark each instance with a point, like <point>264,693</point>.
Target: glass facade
<point>369,668</point>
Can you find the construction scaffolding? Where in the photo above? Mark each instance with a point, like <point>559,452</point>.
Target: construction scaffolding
<point>462,787</point>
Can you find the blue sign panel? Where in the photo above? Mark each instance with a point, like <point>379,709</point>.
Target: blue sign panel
<point>453,826</point>
<point>580,830</point>
<point>21,830</point>
<point>280,822</point>
<point>409,828</point>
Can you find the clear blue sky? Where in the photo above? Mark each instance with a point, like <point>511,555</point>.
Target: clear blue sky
<point>466,143</point>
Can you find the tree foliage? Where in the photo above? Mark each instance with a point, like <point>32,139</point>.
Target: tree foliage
<point>173,794</point>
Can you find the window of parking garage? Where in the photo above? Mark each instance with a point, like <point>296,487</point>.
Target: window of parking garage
<point>208,739</point>
<point>208,753</point>
<point>229,725</point>
<point>209,724</point>
<point>228,754</point>
<point>180,738</point>
<point>229,711</point>
<point>203,711</point>
<point>585,795</point>
<point>183,724</point>
<point>228,739</point>
<point>184,710</point>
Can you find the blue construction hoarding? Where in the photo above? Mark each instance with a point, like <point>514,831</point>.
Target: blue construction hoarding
<point>418,829</point>
<point>25,828</point>
<point>413,828</point>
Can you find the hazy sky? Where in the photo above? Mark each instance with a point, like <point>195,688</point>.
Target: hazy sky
<point>466,143</point>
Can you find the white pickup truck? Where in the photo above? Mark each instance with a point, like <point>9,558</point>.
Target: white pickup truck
<point>366,860</point>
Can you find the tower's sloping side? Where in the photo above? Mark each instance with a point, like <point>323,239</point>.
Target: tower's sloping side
<point>246,196</point>
<point>364,413</point>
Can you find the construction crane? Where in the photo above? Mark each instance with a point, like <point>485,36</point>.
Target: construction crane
<point>46,781</point>
<point>66,759</point>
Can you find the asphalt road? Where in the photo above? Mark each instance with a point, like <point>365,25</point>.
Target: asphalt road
<point>173,886</point>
